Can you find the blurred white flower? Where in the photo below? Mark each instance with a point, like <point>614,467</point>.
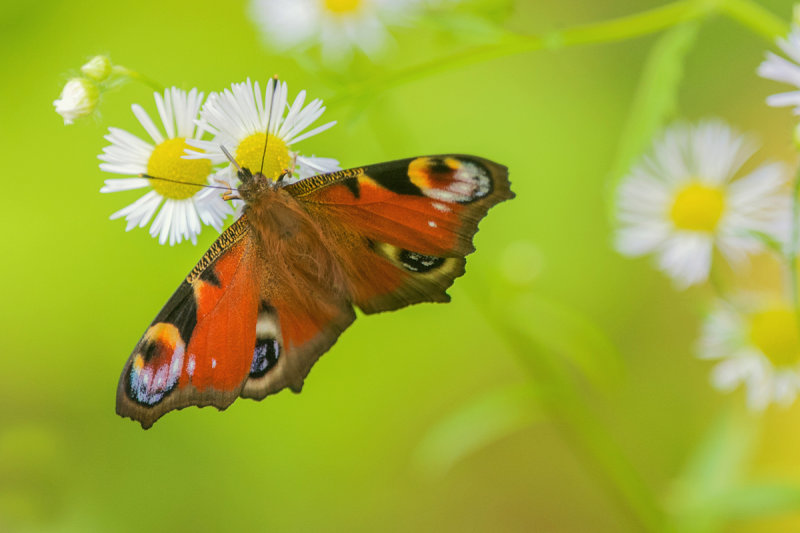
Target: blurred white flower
<point>784,70</point>
<point>78,99</point>
<point>186,201</point>
<point>681,201</point>
<point>758,346</point>
<point>238,118</point>
<point>338,26</point>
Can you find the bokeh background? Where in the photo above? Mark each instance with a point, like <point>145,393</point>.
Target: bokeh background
<point>417,420</point>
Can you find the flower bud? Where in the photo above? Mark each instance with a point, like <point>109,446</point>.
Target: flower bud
<point>78,99</point>
<point>98,68</point>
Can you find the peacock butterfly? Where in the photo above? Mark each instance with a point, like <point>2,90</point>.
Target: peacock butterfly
<point>277,288</point>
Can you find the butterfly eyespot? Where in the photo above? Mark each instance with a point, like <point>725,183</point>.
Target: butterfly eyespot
<point>265,356</point>
<point>415,262</point>
<point>156,366</point>
<point>267,349</point>
<point>450,180</point>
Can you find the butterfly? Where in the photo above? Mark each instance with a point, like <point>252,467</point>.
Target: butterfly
<point>278,287</point>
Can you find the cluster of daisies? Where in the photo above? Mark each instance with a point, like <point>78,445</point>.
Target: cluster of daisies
<point>183,166</point>
<point>697,199</point>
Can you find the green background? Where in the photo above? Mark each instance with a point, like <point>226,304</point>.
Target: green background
<point>350,452</point>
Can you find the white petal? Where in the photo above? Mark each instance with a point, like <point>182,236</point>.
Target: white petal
<point>686,257</point>
<point>126,184</point>
<point>147,123</point>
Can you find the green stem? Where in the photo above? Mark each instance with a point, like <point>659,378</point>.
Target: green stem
<point>716,282</point>
<point>755,18</point>
<point>748,13</point>
<point>132,74</point>
<point>607,31</point>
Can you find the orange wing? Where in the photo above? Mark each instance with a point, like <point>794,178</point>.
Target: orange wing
<point>199,349</point>
<point>233,329</point>
<point>406,224</point>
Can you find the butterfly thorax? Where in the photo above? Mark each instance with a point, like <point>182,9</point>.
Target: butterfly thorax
<point>296,251</point>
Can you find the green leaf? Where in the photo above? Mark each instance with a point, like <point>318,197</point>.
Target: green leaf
<point>475,426</point>
<point>573,336</point>
<point>655,100</point>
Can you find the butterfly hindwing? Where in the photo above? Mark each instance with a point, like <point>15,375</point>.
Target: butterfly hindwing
<point>289,340</point>
<point>413,221</point>
<point>199,349</point>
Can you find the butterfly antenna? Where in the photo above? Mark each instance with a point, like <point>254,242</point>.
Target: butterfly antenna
<point>230,158</point>
<point>275,87</point>
<point>207,186</point>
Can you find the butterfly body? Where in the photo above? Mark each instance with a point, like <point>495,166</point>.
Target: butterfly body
<point>274,292</point>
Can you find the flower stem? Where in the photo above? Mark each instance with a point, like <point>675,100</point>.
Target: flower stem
<point>748,13</point>
<point>794,244</point>
<point>132,74</point>
<point>754,17</point>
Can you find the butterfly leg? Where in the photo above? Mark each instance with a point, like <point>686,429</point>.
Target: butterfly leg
<point>288,172</point>
<point>228,194</point>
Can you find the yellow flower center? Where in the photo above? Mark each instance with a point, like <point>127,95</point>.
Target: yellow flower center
<point>251,151</point>
<point>698,207</point>
<point>166,162</point>
<point>775,333</point>
<point>341,7</point>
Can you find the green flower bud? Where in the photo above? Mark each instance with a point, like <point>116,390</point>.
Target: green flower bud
<point>98,68</point>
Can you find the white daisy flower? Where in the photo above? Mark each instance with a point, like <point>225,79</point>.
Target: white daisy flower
<point>784,70</point>
<point>681,201</point>
<point>78,99</point>
<point>758,347</point>
<point>185,204</point>
<point>238,118</point>
<point>339,26</point>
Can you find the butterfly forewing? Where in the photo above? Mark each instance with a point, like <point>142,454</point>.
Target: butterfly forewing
<point>412,223</point>
<point>199,348</point>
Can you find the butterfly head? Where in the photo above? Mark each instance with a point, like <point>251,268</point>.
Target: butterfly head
<point>254,186</point>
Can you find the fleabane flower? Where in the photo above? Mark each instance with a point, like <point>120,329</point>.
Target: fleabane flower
<point>778,68</point>
<point>757,346</point>
<point>174,181</point>
<point>684,199</point>
<point>238,117</point>
<point>338,26</point>
<point>78,99</point>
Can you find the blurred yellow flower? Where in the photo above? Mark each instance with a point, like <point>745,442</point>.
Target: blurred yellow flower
<point>338,26</point>
<point>758,345</point>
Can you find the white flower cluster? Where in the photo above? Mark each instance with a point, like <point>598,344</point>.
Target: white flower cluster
<point>690,204</point>
<point>184,165</point>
